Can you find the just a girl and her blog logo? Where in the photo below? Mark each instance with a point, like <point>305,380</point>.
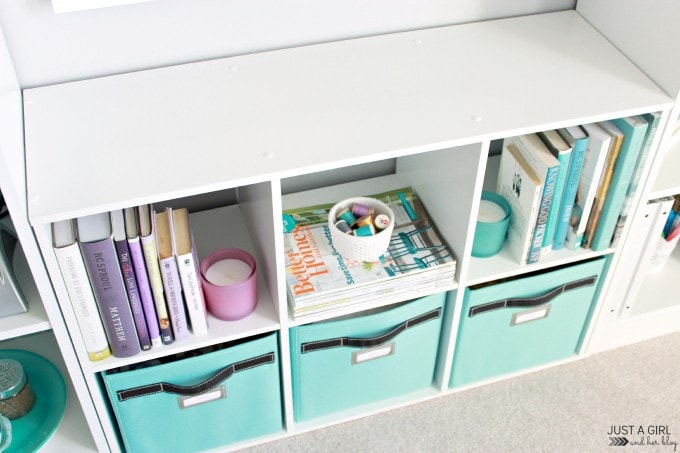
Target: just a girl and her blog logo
<point>642,435</point>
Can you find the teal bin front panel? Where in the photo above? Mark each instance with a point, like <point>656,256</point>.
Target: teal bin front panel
<point>345,363</point>
<point>523,323</point>
<point>224,397</point>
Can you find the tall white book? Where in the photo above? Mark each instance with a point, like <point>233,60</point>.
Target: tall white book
<point>80,293</point>
<point>546,168</point>
<point>520,186</point>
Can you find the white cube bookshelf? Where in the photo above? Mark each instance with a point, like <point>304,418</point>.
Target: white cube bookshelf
<point>245,137</point>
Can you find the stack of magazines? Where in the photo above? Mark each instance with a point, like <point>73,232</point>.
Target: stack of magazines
<point>320,279</point>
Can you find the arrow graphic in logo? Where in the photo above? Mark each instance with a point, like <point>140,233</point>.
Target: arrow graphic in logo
<point>618,441</point>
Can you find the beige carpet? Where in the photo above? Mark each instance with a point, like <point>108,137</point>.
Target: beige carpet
<point>568,408</point>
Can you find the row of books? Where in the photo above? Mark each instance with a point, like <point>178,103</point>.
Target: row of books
<point>132,278</point>
<point>573,187</point>
<point>319,279</point>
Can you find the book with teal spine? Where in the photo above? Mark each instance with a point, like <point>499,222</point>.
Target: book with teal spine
<point>653,120</point>
<point>593,167</point>
<point>562,151</point>
<point>578,139</point>
<point>634,129</point>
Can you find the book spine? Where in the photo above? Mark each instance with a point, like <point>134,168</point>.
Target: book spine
<point>553,215</point>
<point>173,292</point>
<point>543,211</point>
<point>134,298</point>
<point>111,296</point>
<point>156,282</point>
<point>193,293</point>
<point>569,196</point>
<point>593,167</point>
<point>601,193</point>
<point>137,256</point>
<point>623,171</point>
<point>82,300</point>
<point>653,121</point>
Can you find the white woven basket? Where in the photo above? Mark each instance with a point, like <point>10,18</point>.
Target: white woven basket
<point>361,248</point>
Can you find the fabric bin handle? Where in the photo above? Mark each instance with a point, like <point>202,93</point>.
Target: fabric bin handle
<point>525,302</point>
<point>192,390</point>
<point>373,341</point>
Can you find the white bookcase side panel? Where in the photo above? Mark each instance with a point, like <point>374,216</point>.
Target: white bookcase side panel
<point>247,119</point>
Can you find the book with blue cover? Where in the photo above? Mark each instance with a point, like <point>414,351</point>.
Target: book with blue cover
<point>578,139</point>
<point>562,151</point>
<point>653,119</point>
<point>634,129</point>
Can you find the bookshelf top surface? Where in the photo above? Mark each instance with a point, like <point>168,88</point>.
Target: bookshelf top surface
<point>127,139</point>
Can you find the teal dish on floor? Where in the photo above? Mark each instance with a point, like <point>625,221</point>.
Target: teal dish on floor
<point>33,430</point>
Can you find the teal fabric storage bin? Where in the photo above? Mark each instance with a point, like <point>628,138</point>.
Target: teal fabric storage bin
<point>201,402</point>
<point>345,363</point>
<point>522,323</point>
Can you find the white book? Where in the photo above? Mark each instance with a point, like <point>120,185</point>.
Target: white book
<point>546,168</point>
<point>520,186</point>
<point>187,265</point>
<point>593,166</point>
<point>80,293</point>
<point>170,274</point>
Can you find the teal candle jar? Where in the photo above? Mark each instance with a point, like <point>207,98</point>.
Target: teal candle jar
<point>492,225</point>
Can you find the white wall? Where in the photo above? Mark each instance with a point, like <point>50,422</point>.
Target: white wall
<point>48,48</point>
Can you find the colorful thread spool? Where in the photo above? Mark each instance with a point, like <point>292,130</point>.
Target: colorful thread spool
<point>366,230</point>
<point>362,221</point>
<point>346,215</point>
<point>343,226</point>
<point>361,210</point>
<point>381,221</point>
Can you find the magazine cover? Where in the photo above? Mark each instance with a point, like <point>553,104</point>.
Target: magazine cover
<point>316,273</point>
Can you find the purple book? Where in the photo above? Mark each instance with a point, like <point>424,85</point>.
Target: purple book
<point>101,261</point>
<point>143,285</point>
<point>125,261</point>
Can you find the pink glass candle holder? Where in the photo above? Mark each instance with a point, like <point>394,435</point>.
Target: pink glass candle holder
<point>229,283</point>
